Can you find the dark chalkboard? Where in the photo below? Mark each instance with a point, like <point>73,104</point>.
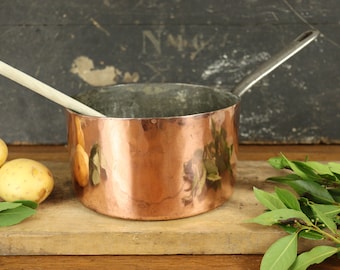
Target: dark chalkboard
<point>80,45</point>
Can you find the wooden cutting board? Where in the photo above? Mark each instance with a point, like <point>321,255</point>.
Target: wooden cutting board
<point>63,225</point>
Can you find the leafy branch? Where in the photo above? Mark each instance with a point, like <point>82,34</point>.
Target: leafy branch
<point>312,213</point>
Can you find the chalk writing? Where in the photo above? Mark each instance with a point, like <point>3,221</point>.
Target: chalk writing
<point>155,40</point>
<point>180,42</point>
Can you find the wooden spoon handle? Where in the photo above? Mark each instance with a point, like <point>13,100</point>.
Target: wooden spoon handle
<point>46,90</point>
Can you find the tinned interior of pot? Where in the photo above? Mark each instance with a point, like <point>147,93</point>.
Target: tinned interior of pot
<point>156,100</point>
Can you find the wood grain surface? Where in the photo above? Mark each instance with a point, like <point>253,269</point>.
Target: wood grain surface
<point>58,155</point>
<point>64,226</point>
<point>195,262</point>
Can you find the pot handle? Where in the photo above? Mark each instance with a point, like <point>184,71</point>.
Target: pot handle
<point>295,46</point>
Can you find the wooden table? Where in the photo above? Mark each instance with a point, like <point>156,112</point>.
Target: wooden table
<point>232,261</point>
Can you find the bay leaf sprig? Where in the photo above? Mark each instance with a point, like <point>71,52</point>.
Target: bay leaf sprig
<point>12,213</point>
<point>317,181</point>
<point>311,211</point>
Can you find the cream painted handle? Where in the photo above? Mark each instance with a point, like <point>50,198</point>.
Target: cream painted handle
<point>46,90</point>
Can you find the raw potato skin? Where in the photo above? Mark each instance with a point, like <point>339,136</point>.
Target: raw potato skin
<point>25,179</point>
<point>3,152</point>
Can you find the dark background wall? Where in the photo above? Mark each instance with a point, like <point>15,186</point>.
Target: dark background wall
<point>76,45</point>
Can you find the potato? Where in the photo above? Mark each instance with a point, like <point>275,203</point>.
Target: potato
<point>25,179</point>
<point>3,152</point>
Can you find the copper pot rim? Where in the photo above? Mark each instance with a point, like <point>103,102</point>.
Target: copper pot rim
<point>200,114</point>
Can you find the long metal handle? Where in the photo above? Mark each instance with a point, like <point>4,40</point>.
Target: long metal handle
<point>295,46</point>
<point>46,90</point>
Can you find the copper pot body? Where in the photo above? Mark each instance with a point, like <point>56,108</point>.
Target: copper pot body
<point>155,167</point>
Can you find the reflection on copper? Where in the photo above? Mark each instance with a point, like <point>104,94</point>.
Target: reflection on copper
<point>155,169</point>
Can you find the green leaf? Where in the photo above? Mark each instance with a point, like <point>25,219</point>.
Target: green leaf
<point>334,167</point>
<point>284,178</point>
<point>308,170</point>
<point>281,255</point>
<point>307,234</point>
<point>324,171</point>
<point>288,198</point>
<point>15,215</point>
<point>328,209</point>
<point>278,162</point>
<point>315,191</point>
<point>314,256</point>
<point>335,194</point>
<point>318,167</point>
<point>301,169</point>
<point>329,223</point>
<point>280,216</point>
<point>8,205</point>
<point>269,200</point>
<point>30,204</point>
<point>305,207</point>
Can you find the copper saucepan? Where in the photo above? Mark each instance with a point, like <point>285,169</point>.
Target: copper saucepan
<point>165,150</point>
